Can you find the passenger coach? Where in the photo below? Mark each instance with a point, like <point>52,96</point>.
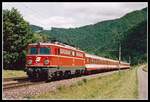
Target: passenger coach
<point>94,62</point>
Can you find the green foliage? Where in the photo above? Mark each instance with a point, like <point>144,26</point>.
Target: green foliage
<point>38,37</point>
<point>35,28</point>
<point>16,35</point>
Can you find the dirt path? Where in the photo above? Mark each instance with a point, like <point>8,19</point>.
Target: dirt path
<point>143,83</point>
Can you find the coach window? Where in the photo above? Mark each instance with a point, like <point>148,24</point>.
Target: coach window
<point>102,62</point>
<point>87,60</point>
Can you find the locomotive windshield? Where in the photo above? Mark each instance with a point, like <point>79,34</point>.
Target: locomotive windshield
<point>33,50</point>
<point>42,50</point>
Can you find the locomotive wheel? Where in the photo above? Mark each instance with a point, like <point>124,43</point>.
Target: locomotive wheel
<point>67,74</point>
<point>78,72</point>
<point>49,76</point>
<point>60,75</point>
<point>57,75</point>
<point>30,77</point>
<point>82,71</point>
<point>37,75</point>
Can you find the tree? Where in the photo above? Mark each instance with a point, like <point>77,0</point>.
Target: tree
<point>16,35</point>
<point>38,37</point>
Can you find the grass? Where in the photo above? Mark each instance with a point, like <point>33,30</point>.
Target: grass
<point>13,73</point>
<point>115,86</point>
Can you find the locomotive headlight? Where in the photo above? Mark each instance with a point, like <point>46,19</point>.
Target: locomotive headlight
<point>46,61</point>
<point>29,62</point>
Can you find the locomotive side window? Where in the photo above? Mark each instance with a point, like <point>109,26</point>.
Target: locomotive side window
<point>73,53</point>
<point>58,51</point>
<point>44,50</point>
<point>65,51</point>
<point>79,54</point>
<point>33,50</point>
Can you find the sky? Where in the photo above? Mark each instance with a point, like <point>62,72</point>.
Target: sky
<point>71,15</point>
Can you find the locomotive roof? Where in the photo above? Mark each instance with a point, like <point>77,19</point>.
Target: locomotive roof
<point>58,44</point>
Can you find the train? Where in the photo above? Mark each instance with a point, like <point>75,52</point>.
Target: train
<point>48,60</point>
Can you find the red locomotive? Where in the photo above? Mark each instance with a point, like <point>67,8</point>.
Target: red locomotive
<point>48,60</point>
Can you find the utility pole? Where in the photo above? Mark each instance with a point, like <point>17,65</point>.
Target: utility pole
<point>129,59</point>
<point>119,56</point>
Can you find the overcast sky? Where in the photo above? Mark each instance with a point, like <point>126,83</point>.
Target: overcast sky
<point>69,15</point>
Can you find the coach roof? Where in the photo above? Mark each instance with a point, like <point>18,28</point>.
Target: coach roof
<point>98,57</point>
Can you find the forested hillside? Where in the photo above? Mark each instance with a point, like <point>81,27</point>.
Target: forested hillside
<point>35,28</point>
<point>135,43</point>
<point>103,38</point>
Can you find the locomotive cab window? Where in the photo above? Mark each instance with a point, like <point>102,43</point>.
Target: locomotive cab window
<point>33,50</point>
<point>44,50</point>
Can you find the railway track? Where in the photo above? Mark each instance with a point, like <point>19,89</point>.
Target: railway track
<point>15,79</point>
<point>13,85</point>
